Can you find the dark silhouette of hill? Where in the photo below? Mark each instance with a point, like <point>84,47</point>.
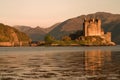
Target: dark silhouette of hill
<point>110,23</point>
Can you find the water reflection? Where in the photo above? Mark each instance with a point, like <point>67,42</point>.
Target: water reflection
<point>84,65</point>
<point>95,59</point>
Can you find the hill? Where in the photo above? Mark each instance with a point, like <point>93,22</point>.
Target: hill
<point>110,23</point>
<point>36,33</point>
<point>10,36</point>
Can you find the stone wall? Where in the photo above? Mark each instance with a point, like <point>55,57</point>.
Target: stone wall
<point>108,36</point>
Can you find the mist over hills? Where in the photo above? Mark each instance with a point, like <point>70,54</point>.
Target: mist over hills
<point>110,23</point>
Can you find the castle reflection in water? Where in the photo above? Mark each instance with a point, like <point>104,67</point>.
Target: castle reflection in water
<point>95,60</point>
<point>88,62</point>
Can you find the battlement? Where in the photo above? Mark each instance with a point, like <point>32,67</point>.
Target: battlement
<point>92,20</point>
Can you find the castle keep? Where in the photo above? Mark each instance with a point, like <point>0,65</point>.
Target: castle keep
<point>92,27</point>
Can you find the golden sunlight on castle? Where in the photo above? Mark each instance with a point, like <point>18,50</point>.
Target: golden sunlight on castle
<point>92,27</point>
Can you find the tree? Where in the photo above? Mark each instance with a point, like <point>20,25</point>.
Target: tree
<point>66,38</point>
<point>49,39</point>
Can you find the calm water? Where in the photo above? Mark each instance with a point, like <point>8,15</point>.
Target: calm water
<point>60,63</point>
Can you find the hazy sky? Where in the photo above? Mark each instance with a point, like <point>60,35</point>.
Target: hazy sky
<point>45,13</point>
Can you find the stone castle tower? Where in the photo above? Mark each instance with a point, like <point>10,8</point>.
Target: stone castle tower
<point>92,27</point>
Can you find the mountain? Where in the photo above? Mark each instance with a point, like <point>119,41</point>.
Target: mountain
<point>110,23</point>
<point>36,33</point>
<point>11,36</point>
<point>51,28</point>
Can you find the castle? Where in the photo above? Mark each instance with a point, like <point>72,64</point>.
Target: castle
<point>92,27</point>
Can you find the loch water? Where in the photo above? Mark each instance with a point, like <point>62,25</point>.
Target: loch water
<point>60,63</point>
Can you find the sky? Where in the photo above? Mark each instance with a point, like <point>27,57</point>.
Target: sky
<point>45,13</point>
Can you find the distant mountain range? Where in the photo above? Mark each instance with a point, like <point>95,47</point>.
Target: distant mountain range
<point>36,33</point>
<point>110,23</point>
